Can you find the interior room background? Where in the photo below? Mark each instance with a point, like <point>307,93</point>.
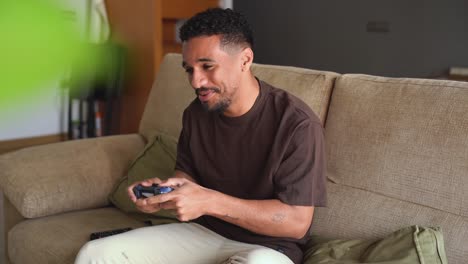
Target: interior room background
<point>395,38</point>
<point>424,37</point>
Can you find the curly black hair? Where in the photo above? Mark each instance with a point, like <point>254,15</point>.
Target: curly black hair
<point>233,27</point>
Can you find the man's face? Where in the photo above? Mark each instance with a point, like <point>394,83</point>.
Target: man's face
<point>213,72</point>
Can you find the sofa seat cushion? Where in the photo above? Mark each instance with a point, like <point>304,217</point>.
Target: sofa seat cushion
<point>57,239</point>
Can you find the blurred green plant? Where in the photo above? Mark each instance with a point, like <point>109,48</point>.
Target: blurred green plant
<point>38,44</point>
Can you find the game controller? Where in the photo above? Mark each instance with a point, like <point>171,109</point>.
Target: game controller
<point>141,191</point>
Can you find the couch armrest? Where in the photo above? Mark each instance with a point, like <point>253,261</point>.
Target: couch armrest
<point>66,176</point>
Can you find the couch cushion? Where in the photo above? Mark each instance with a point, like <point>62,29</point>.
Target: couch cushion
<point>409,245</point>
<point>313,87</point>
<point>354,213</point>
<point>50,179</point>
<point>57,239</point>
<point>156,160</point>
<point>404,139</point>
<point>172,93</point>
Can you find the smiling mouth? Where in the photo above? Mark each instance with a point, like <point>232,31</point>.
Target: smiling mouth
<point>204,94</point>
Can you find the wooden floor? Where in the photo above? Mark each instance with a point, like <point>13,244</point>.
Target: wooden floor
<point>11,145</point>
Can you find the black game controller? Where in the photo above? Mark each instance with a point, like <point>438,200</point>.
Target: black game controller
<point>141,191</point>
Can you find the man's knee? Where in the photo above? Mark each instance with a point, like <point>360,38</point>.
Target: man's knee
<point>99,252</point>
<point>85,254</point>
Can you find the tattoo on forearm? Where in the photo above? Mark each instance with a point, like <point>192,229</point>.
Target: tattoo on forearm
<point>278,217</point>
<point>231,217</point>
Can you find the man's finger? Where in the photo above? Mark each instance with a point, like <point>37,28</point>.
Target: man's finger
<point>143,206</point>
<point>160,198</point>
<point>141,203</point>
<point>167,205</point>
<point>174,182</point>
<point>149,182</point>
<point>130,192</point>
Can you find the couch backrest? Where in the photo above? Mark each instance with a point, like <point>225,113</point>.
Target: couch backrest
<point>170,95</point>
<point>397,156</point>
<point>172,92</point>
<point>313,87</point>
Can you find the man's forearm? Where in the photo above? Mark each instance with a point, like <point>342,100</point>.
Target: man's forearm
<point>267,217</point>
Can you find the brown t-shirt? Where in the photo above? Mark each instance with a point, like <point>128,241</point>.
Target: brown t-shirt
<point>274,151</point>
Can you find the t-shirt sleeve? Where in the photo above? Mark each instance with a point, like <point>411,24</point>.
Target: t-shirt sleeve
<point>184,161</point>
<point>301,176</point>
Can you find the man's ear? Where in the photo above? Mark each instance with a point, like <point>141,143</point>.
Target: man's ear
<point>247,57</point>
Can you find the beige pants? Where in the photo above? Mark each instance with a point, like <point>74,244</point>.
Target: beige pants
<point>186,243</point>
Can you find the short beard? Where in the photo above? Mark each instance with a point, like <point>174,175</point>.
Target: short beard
<point>219,107</point>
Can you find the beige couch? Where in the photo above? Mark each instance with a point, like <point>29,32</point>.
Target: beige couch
<point>397,156</point>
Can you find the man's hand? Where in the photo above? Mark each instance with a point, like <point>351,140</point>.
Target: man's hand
<point>188,200</point>
<point>141,204</point>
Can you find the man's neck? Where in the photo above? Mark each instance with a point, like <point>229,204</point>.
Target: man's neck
<point>245,99</point>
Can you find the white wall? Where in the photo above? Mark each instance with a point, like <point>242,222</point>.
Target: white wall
<point>42,115</point>
<point>425,38</point>
<point>46,114</point>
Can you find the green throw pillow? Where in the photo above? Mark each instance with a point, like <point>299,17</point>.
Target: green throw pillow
<point>156,160</point>
<point>410,245</point>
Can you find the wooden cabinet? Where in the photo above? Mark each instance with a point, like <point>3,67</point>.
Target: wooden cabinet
<point>146,28</point>
<point>175,10</point>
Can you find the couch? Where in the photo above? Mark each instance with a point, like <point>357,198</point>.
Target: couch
<point>397,151</point>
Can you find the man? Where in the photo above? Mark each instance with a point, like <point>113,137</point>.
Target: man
<point>250,163</point>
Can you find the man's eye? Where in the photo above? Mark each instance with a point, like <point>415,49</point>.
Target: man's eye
<point>207,67</point>
<point>189,70</point>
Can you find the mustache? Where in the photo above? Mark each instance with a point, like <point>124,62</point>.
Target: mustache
<point>206,89</point>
